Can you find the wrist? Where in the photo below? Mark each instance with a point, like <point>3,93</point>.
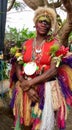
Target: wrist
<point>20,79</point>
<point>30,82</point>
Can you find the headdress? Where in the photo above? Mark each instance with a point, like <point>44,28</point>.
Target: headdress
<point>48,13</point>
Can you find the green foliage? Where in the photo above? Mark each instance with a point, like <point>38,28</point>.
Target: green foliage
<point>53,50</point>
<point>13,50</point>
<point>70,37</point>
<point>3,70</point>
<point>17,36</point>
<point>17,5</point>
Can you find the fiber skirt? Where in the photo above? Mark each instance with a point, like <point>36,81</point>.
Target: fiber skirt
<point>40,114</point>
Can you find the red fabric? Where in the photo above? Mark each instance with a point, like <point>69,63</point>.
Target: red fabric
<point>45,58</point>
<point>62,72</point>
<point>61,118</point>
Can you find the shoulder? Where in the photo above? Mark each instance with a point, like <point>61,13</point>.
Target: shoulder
<point>54,38</point>
<point>57,40</point>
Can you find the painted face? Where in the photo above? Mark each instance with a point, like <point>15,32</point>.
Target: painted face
<point>43,26</point>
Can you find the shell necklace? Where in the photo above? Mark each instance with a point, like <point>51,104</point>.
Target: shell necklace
<point>37,50</point>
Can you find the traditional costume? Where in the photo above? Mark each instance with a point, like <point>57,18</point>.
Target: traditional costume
<point>55,94</point>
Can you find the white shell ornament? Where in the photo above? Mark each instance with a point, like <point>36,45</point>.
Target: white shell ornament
<point>30,68</point>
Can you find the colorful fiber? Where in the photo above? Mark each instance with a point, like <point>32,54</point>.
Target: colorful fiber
<point>65,79</point>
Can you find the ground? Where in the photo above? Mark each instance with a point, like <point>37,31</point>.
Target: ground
<point>6,116</point>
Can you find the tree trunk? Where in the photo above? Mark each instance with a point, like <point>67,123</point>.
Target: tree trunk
<point>33,4</point>
<point>67,28</point>
<point>11,5</point>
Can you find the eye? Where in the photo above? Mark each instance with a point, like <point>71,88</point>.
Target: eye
<point>40,21</point>
<point>44,22</point>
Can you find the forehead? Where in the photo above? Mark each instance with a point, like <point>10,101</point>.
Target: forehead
<point>44,18</point>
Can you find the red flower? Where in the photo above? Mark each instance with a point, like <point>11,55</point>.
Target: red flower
<point>62,51</point>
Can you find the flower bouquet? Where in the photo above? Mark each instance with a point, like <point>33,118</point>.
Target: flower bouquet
<point>57,53</point>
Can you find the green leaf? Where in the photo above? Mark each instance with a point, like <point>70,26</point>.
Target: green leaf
<point>53,50</point>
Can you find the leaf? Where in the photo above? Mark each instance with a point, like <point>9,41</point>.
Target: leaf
<point>53,50</point>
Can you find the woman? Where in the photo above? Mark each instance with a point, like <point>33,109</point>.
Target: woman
<point>32,99</point>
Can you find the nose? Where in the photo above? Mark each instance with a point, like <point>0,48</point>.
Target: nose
<point>45,23</point>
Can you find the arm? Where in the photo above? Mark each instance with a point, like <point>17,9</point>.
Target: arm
<point>19,71</point>
<point>45,76</point>
<point>27,84</point>
<point>31,93</point>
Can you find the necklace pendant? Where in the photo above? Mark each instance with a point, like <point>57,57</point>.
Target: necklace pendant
<point>38,50</point>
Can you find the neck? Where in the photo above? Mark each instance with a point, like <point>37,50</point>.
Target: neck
<point>39,39</point>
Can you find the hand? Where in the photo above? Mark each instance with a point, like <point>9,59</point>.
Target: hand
<point>25,85</point>
<point>33,95</point>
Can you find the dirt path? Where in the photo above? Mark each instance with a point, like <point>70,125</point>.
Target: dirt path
<point>6,118</point>
<point>6,121</point>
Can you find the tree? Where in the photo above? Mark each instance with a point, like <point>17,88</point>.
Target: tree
<point>65,5</point>
<point>67,28</point>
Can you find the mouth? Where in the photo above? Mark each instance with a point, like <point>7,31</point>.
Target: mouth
<point>43,28</point>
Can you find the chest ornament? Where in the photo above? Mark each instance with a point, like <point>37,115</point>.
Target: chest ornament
<point>30,68</point>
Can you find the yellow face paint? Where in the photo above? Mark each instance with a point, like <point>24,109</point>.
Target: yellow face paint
<point>44,18</point>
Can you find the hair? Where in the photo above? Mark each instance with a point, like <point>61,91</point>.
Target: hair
<point>41,11</point>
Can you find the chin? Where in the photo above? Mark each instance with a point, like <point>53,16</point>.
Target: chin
<point>43,33</point>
